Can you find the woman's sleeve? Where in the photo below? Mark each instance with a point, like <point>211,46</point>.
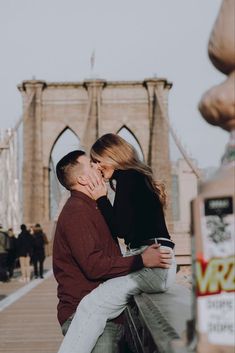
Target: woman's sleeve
<point>121,216</point>
<point>107,211</point>
<point>124,205</point>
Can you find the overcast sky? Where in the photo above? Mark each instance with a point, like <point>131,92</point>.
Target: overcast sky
<point>133,39</point>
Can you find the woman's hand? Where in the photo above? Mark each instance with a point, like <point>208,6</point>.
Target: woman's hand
<point>96,186</point>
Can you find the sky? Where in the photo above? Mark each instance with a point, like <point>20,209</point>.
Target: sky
<point>53,40</point>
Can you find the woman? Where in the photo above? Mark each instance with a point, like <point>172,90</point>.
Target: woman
<point>137,216</point>
<point>137,213</point>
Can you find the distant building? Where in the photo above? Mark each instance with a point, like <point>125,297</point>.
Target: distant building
<point>184,189</point>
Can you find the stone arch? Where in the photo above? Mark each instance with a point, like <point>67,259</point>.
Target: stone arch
<point>65,129</point>
<point>54,135</point>
<point>130,137</point>
<point>66,141</point>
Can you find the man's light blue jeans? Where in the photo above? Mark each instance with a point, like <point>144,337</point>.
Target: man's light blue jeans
<point>109,341</point>
<point>108,301</point>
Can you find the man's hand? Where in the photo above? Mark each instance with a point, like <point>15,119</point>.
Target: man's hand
<point>154,256</point>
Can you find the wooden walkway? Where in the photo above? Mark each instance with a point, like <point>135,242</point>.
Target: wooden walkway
<point>30,325</point>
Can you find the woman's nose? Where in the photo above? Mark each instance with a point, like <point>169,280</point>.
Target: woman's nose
<point>95,166</point>
<point>98,166</point>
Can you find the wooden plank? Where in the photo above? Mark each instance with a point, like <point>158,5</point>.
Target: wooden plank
<point>30,324</point>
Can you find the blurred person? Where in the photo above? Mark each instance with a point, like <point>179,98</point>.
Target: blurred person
<point>11,251</point>
<point>24,251</point>
<point>38,255</point>
<point>3,255</point>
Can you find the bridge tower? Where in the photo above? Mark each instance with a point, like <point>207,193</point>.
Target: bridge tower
<point>90,109</point>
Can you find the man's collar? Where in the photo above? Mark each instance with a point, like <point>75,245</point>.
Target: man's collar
<point>81,195</point>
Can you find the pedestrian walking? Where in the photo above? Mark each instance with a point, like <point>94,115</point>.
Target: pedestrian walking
<point>38,256</point>
<point>3,255</point>
<point>24,250</point>
<point>11,249</point>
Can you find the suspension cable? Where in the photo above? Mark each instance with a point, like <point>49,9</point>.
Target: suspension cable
<point>176,139</point>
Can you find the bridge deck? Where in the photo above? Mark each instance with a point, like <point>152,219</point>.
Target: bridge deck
<point>30,324</point>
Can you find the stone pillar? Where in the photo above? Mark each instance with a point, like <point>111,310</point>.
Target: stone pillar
<point>33,183</point>
<point>159,154</point>
<point>94,89</point>
<point>46,194</point>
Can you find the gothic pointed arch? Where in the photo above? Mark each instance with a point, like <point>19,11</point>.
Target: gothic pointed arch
<point>70,139</point>
<point>66,141</point>
<point>129,136</point>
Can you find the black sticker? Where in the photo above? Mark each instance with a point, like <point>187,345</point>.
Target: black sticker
<point>218,206</point>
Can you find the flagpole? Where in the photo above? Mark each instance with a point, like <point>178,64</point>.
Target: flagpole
<point>92,63</point>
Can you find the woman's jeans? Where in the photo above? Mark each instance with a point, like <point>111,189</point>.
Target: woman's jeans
<point>108,301</point>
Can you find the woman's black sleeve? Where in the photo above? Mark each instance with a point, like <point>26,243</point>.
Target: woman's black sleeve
<point>121,217</point>
<point>124,205</point>
<point>107,211</point>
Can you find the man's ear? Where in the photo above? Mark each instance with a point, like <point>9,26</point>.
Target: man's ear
<point>82,180</point>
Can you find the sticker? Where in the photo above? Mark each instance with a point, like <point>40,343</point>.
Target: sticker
<point>215,271</point>
<point>218,206</point>
<point>215,276</point>
<point>216,318</point>
<point>218,227</point>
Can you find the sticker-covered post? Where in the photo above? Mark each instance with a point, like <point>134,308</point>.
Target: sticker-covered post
<point>214,228</point>
<point>213,218</point>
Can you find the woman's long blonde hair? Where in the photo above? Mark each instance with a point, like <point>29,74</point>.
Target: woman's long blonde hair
<point>118,153</point>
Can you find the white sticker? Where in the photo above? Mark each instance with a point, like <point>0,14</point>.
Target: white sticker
<point>216,318</point>
<point>218,236</point>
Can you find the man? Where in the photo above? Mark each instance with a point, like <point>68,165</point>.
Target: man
<point>38,255</point>
<point>84,253</point>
